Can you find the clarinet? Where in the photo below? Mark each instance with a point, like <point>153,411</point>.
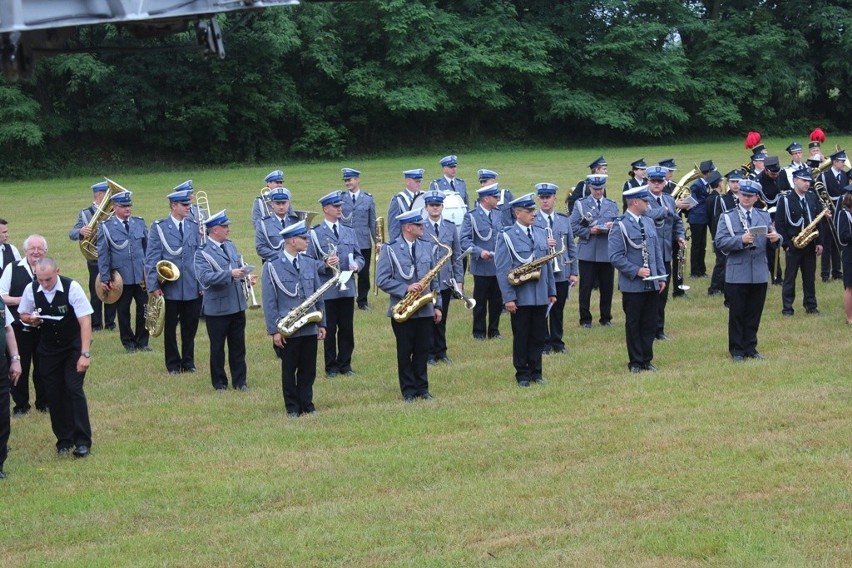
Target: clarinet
<point>744,223</point>
<point>646,257</point>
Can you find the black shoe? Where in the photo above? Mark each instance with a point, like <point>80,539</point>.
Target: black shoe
<point>606,323</point>
<point>426,396</point>
<point>559,350</point>
<point>837,276</point>
<point>635,368</point>
<point>662,337</point>
<point>813,311</point>
<point>649,367</point>
<point>479,337</point>
<point>738,358</point>
<point>144,348</point>
<point>242,388</point>
<point>713,292</point>
<point>349,373</point>
<point>130,349</point>
<point>18,412</point>
<point>292,415</point>
<point>331,374</point>
<point>174,372</point>
<point>363,307</point>
<point>523,384</point>
<point>495,336</point>
<point>221,388</point>
<point>446,360</point>
<point>188,369</point>
<point>787,313</point>
<point>43,409</point>
<point>547,351</point>
<point>409,399</point>
<point>826,279</point>
<point>778,282</point>
<point>97,327</point>
<point>110,327</point>
<point>81,451</point>
<point>63,452</point>
<point>539,381</point>
<point>586,325</point>
<point>756,355</point>
<point>431,361</point>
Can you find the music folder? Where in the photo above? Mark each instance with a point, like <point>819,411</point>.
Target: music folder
<point>759,230</point>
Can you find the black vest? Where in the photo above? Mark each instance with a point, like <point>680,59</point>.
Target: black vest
<point>58,335</point>
<point>8,257</point>
<point>20,280</point>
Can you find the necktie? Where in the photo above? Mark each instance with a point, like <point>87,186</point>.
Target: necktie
<point>598,201</point>
<point>353,199</point>
<point>488,214</point>
<point>838,179</point>
<point>805,215</point>
<point>529,233</point>
<point>660,201</point>
<point>127,227</point>
<point>180,229</point>
<point>414,251</point>
<point>748,217</point>
<point>452,185</point>
<point>296,264</point>
<point>284,223</point>
<point>436,230</point>
<point>550,221</point>
<point>334,229</point>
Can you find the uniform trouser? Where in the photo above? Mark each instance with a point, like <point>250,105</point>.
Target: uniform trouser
<point>69,411</point>
<point>640,311</point>
<point>556,319</point>
<point>796,259</point>
<point>678,276</point>
<point>231,329</point>
<point>132,337</point>
<point>27,339</point>
<point>602,273</point>
<point>364,277</point>
<point>663,300</point>
<point>412,351</point>
<point>186,313</point>
<point>439,331</point>
<point>104,314</point>
<point>717,278</point>
<point>298,372</point>
<point>830,263</point>
<point>746,307</point>
<point>489,301</point>
<point>529,329</point>
<point>339,335</point>
<point>5,423</point>
<point>770,259</point>
<point>697,267</point>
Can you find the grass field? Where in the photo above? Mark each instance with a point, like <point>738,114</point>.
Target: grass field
<point>704,463</point>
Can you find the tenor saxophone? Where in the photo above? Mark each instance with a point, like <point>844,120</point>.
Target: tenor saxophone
<point>532,270</point>
<point>413,301</point>
<point>302,314</point>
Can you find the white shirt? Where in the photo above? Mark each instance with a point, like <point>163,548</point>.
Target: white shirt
<point>6,279</point>
<point>76,297</point>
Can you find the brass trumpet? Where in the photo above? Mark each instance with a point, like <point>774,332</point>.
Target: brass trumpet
<point>248,290</point>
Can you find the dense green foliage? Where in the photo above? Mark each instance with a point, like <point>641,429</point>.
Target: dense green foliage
<point>341,78</point>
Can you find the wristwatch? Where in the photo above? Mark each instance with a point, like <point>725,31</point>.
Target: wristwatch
<point>16,357</point>
<point>86,354</point>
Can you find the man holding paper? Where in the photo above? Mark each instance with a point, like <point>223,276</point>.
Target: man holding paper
<point>636,251</point>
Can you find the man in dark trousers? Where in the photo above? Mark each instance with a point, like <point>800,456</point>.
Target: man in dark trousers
<point>8,376</point>
<point>835,179</point>
<point>60,308</point>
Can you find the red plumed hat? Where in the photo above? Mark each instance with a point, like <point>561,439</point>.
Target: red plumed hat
<point>752,139</point>
<point>818,135</point>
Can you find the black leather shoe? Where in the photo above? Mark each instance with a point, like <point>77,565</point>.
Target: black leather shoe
<point>43,409</point>
<point>649,367</point>
<point>97,327</point>
<point>606,323</point>
<point>188,369</point>
<point>349,373</point>
<point>409,399</point>
<point>221,388</point>
<point>431,361</point>
<point>738,358</point>
<point>63,452</point>
<point>130,349</point>
<point>242,388</point>
<point>174,372</point>
<point>18,412</point>
<point>662,337</point>
<point>479,337</point>
<point>495,336</point>
<point>523,384</point>
<point>426,396</point>
<point>586,325</point>
<point>756,355</point>
<point>292,415</point>
<point>446,360</point>
<point>559,350</point>
<point>826,279</point>
<point>364,307</point>
<point>539,381</point>
<point>635,369</point>
<point>813,311</point>
<point>144,348</point>
<point>110,327</point>
<point>81,451</point>
<point>787,313</point>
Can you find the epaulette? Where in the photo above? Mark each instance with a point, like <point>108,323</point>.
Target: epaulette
<point>137,217</point>
<point>315,227</point>
<point>158,221</point>
<point>561,214</point>
<point>448,221</point>
<point>459,179</point>
<point>608,199</point>
<point>366,193</point>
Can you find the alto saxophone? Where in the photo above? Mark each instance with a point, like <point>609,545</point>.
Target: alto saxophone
<point>301,315</point>
<point>413,301</point>
<point>530,271</point>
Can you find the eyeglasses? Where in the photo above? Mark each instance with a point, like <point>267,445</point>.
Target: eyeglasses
<point>37,249</point>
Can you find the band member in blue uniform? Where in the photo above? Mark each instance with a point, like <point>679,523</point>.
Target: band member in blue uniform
<point>663,211</point>
<point>504,196</point>
<point>548,218</point>
<point>260,206</point>
<point>104,314</point>
<point>337,245</point>
<point>59,307</point>
<point>698,218</point>
<point>288,280</point>
<point>843,222</point>
<point>716,205</point>
<point>835,179</point>
<point>591,220</point>
<point>785,180</point>
<point>519,244</point>
<point>404,201</point>
<point>581,190</point>
<point>402,263</point>
<point>176,239</point>
<point>224,278</point>
<point>479,234</point>
<point>9,375</point>
<point>122,241</point>
<point>747,270</point>
<point>444,230</point>
<point>636,178</point>
<point>796,211</point>
<point>636,251</point>
<point>359,213</point>
<point>267,240</point>
<point>449,181</point>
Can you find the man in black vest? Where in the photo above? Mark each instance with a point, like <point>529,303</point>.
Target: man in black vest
<point>60,308</point>
<point>8,252</point>
<point>8,375</point>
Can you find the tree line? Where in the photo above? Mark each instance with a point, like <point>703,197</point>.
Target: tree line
<point>325,80</point>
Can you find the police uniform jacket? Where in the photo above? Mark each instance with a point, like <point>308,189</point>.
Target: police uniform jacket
<point>625,253</point>
<point>258,211</point>
<point>459,186</point>
<point>122,251</point>
<point>479,233</point>
<point>744,265</point>
<point>785,180</point>
<point>449,236</point>
<point>321,242</point>
<point>833,187</point>
<point>770,189</point>
<point>267,241</point>
<point>165,243</point>
<point>591,247</point>
<point>721,203</point>
<point>83,219</point>
<point>668,223</point>
<point>285,288</point>
<point>790,217</point>
<point>515,248</point>
<point>223,294</point>
<point>563,234</point>
<point>395,270</point>
<point>843,222</point>
<point>360,217</point>
<point>699,191</point>
<point>399,203</point>
<point>505,198</point>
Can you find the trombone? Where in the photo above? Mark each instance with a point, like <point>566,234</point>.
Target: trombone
<point>202,206</point>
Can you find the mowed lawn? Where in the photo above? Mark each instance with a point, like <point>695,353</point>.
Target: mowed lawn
<point>703,463</point>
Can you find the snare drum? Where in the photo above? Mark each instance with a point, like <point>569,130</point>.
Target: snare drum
<point>454,208</point>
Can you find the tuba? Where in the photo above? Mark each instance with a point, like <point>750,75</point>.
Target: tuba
<point>300,316</point>
<point>681,188</point>
<point>88,245</point>
<point>155,314</point>
<point>532,270</point>
<point>413,301</point>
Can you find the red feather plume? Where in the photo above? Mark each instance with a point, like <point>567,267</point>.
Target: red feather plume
<point>752,140</point>
<point>818,135</point>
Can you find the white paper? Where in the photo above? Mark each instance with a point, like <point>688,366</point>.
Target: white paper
<point>249,268</point>
<point>759,230</point>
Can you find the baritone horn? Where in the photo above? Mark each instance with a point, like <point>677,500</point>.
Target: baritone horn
<point>155,314</point>
<point>88,245</point>
<point>167,271</point>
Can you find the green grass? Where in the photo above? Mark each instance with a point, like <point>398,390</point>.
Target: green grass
<point>704,463</point>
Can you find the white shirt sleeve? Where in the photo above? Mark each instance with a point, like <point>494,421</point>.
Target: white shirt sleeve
<point>78,300</point>
<point>27,305</point>
<point>6,280</point>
